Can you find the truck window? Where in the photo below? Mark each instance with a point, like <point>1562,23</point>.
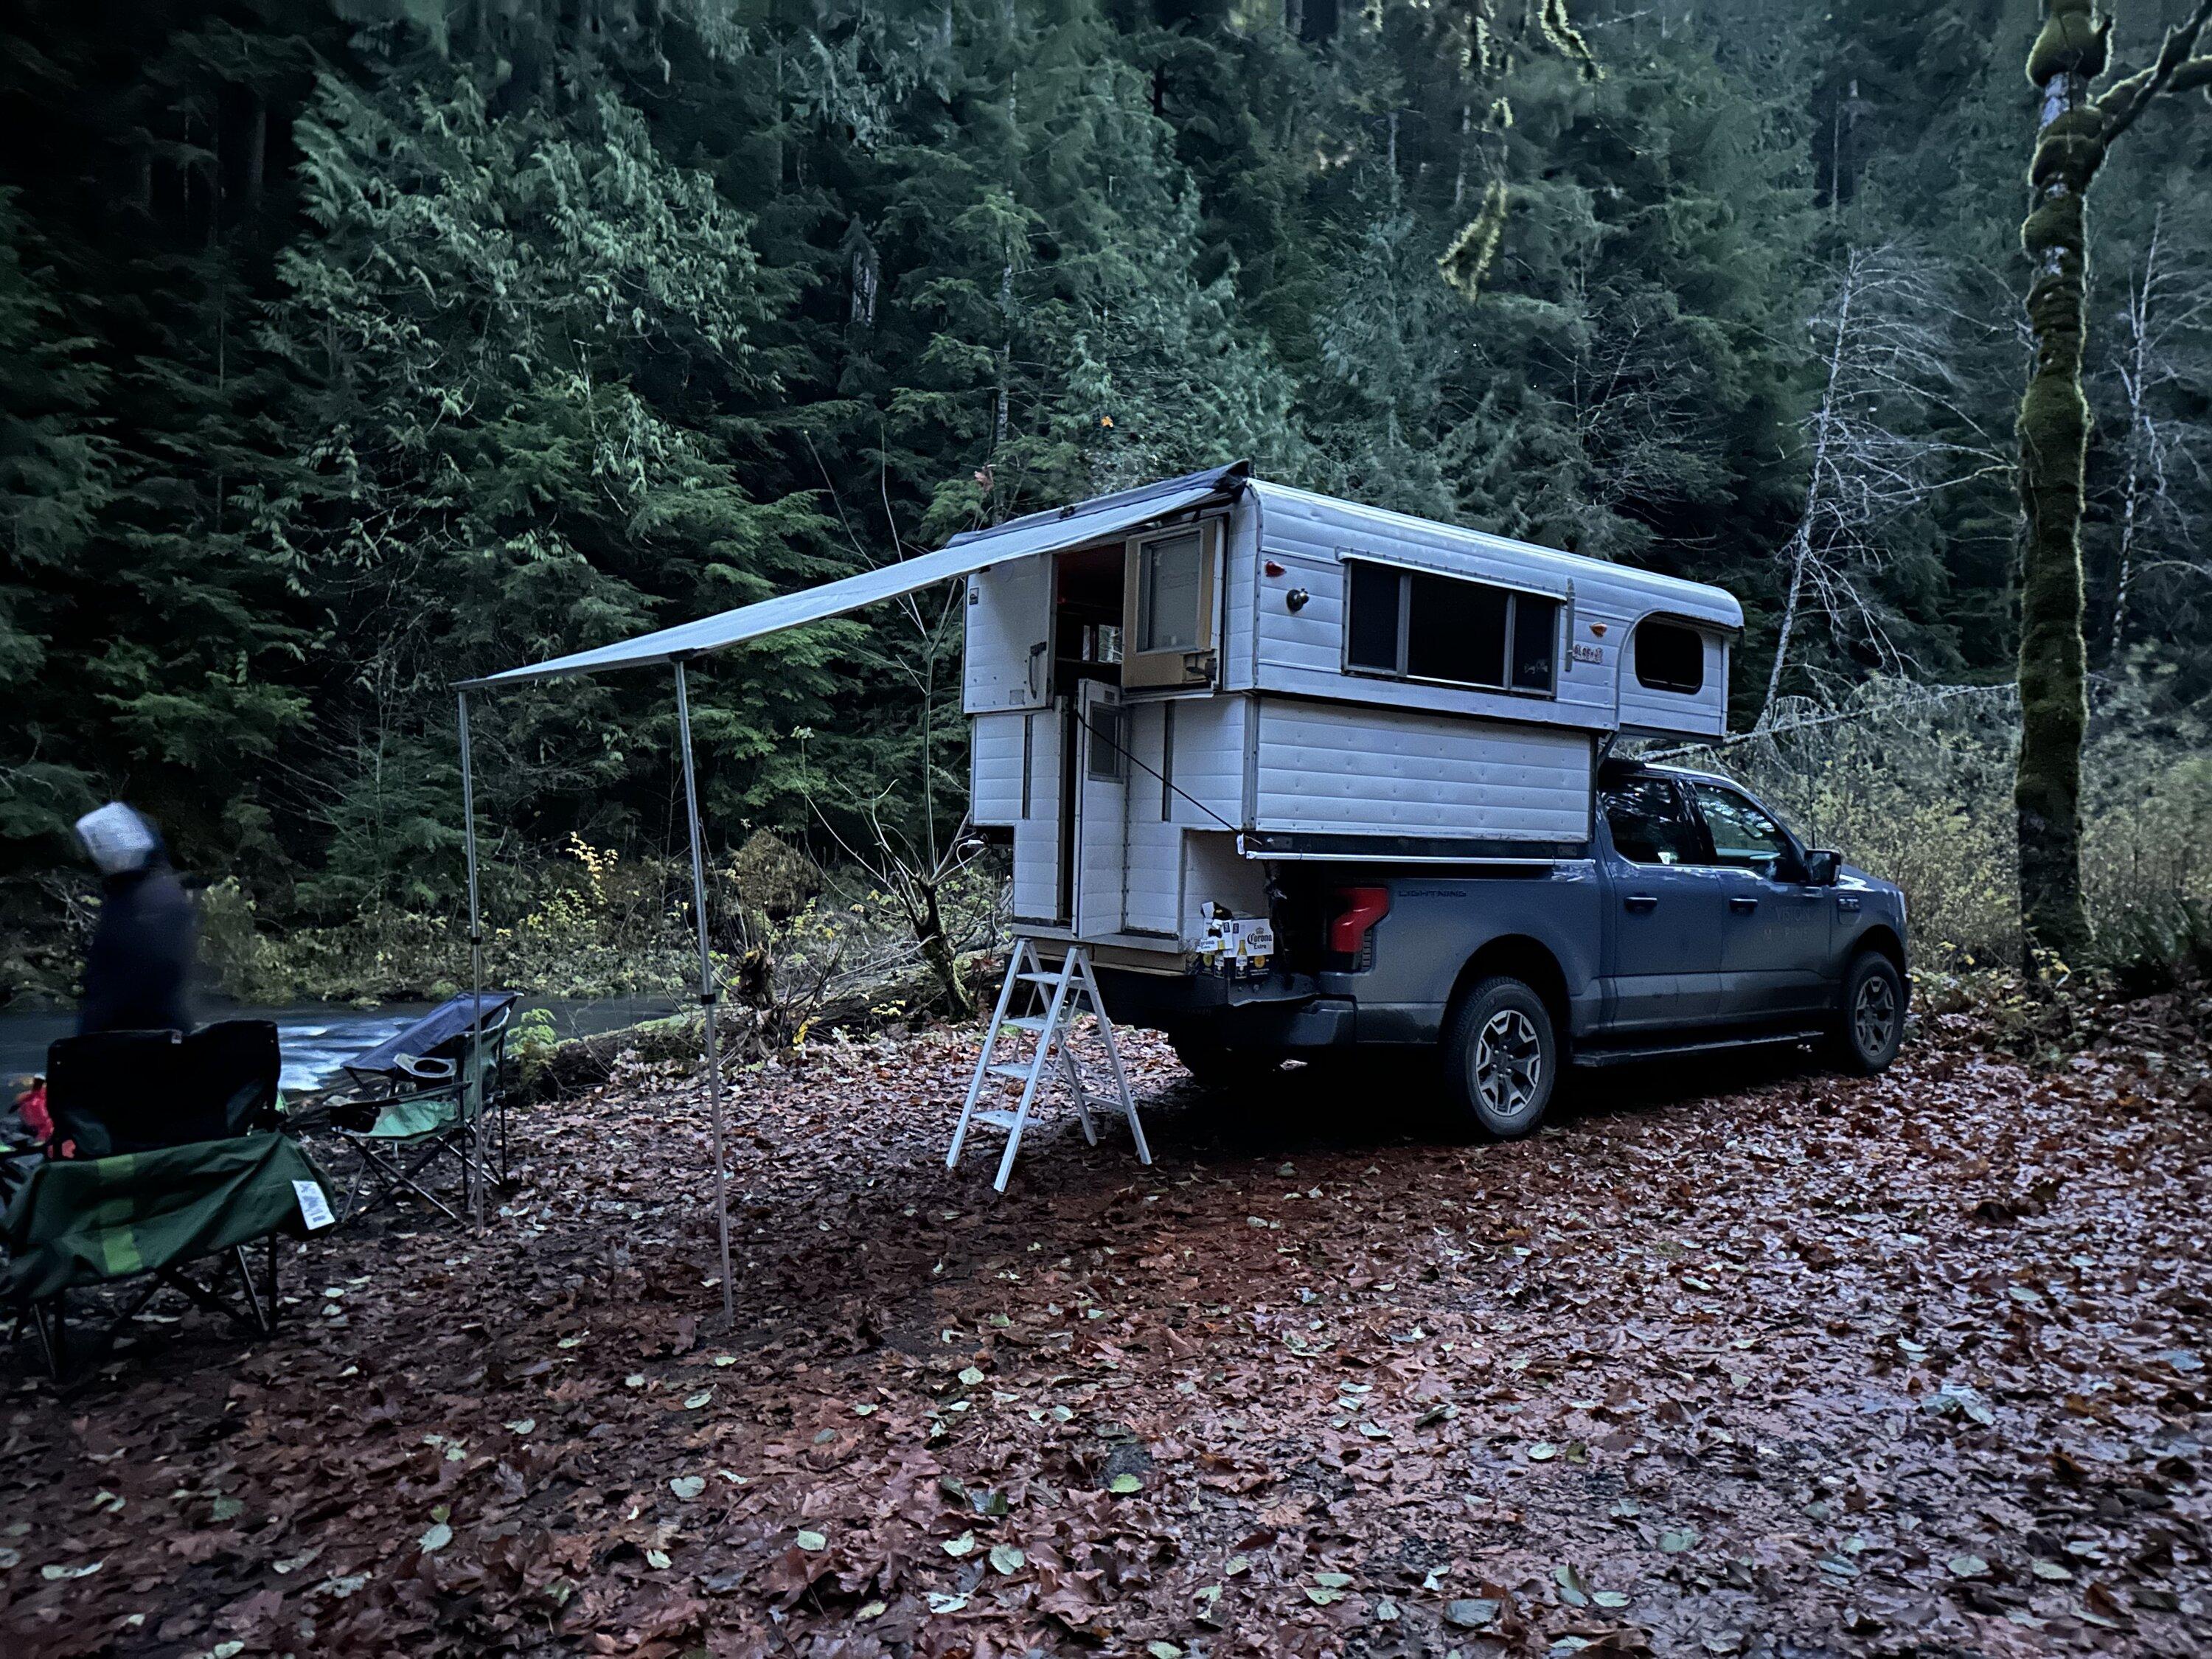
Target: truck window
<point>1651,824</point>
<point>1669,657</point>
<point>1412,625</point>
<point>1744,837</point>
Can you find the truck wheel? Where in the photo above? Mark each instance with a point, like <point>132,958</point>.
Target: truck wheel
<point>1501,1057</point>
<point>1869,1025</point>
<point>1216,1068</point>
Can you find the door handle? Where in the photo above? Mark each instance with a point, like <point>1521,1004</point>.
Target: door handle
<point>1640,903</point>
<point>1742,903</point>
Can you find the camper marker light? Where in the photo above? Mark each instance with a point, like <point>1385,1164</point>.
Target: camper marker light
<point>1360,908</point>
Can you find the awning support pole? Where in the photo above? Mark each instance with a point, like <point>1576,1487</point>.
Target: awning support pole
<point>708,991</point>
<point>478,1148</point>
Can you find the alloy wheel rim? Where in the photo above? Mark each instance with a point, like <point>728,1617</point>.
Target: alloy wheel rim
<point>1509,1064</point>
<point>1873,1014</point>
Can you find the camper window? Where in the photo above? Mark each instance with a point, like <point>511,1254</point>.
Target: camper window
<point>1168,592</point>
<point>1669,657</point>
<point>1413,625</point>
<point>1109,744</point>
<point>1168,607</point>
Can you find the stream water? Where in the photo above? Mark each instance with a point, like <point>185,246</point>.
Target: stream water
<point>316,1038</point>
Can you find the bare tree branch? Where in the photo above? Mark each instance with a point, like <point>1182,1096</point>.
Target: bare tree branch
<point>1886,340</point>
<point>2124,100</point>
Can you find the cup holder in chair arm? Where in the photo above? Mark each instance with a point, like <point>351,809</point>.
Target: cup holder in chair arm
<point>430,1071</point>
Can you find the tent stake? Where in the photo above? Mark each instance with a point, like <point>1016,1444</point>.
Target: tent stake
<point>479,1149</point>
<point>707,993</point>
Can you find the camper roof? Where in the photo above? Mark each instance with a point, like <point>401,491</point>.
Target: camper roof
<point>1345,521</point>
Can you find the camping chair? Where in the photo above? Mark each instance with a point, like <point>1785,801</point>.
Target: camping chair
<point>135,1091</point>
<point>175,1159</point>
<point>428,1111</point>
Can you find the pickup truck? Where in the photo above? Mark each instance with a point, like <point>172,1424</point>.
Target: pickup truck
<point>1698,922</point>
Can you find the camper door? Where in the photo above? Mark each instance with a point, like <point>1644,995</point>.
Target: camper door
<point>1102,811</point>
<point>1010,636</point>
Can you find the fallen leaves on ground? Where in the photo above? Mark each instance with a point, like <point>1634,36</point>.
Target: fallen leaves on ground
<point>1808,1364</point>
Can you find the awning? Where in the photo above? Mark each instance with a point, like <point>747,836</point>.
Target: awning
<point>1039,532</point>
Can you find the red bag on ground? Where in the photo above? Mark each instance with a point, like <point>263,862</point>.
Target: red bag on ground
<point>31,1106</point>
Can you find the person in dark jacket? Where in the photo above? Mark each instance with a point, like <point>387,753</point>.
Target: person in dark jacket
<point>137,971</point>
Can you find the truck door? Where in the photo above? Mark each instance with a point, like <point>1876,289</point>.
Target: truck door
<point>1776,958</point>
<point>1669,908</point>
<point>1102,811</point>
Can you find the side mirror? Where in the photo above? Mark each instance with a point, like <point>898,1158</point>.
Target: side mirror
<point>1822,867</point>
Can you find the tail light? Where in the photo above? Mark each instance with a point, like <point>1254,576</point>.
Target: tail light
<point>1353,912</point>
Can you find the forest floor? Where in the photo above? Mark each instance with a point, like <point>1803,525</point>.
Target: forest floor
<point>1755,1360</point>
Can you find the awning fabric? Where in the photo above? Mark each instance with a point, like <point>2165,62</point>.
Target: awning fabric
<point>1024,537</point>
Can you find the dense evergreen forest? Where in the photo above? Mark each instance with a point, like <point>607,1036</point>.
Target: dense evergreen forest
<point>349,347</point>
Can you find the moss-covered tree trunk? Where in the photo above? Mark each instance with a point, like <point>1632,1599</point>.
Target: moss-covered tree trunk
<point>2054,444</point>
<point>2075,132</point>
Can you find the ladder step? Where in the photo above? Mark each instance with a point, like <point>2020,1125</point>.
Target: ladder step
<point>1052,1059</point>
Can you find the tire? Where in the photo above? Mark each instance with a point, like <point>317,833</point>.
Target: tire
<point>1501,1057</point>
<point>1869,1021</point>
<point>1216,1068</point>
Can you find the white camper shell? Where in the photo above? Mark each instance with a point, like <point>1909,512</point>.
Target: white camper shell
<point>1172,687</point>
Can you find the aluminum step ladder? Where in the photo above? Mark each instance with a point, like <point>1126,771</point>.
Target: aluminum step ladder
<point>1070,991</point>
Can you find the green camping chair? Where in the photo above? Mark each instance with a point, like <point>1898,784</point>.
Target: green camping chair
<point>175,1161</point>
<point>80,1223</point>
<point>404,1141</point>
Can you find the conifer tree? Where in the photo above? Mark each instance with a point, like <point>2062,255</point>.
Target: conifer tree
<point>512,338</point>
<point>57,476</point>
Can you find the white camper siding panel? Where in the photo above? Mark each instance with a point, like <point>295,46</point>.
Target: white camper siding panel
<point>1009,623</point>
<point>1302,651</point>
<point>1702,714</point>
<point>995,792</point>
<point>1239,594</point>
<point>1036,870</point>
<point>1208,762</point>
<point>1152,881</point>
<point>1323,769</point>
<point>1101,850</point>
<point>1318,527</point>
<point>1312,638</point>
<point>1036,831</point>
